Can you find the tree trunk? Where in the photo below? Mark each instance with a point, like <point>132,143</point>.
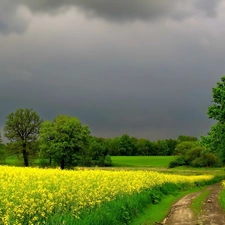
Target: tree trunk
<point>25,156</point>
<point>62,163</point>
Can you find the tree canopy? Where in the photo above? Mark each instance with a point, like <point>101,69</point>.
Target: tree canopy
<point>217,110</point>
<point>22,128</point>
<point>64,139</point>
<point>215,140</point>
<point>65,142</point>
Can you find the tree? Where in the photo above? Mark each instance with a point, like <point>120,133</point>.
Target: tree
<point>183,147</point>
<point>171,145</point>
<point>47,136</point>
<point>126,145</point>
<point>115,146</point>
<point>216,137</point>
<point>96,153</point>
<point>22,129</point>
<point>162,148</point>
<point>182,138</point>
<point>217,110</point>
<point>65,140</point>
<point>142,147</point>
<point>215,141</point>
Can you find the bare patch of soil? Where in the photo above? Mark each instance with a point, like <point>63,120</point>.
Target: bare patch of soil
<point>211,213</point>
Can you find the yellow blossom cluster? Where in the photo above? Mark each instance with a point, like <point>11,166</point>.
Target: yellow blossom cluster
<point>31,195</point>
<point>223,184</point>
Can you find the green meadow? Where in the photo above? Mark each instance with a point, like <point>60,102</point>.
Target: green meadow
<point>142,161</point>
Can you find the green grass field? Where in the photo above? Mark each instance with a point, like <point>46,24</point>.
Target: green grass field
<point>15,161</point>
<point>142,161</point>
<point>118,161</point>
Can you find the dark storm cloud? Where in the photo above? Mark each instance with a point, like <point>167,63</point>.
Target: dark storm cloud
<point>12,17</point>
<point>146,79</point>
<point>117,95</point>
<point>112,10</point>
<point>122,9</point>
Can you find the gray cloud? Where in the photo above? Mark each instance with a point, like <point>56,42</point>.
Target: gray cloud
<point>112,10</point>
<point>12,17</point>
<point>208,6</point>
<point>123,9</point>
<point>146,79</point>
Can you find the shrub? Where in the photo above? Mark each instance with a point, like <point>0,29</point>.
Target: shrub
<point>206,160</point>
<point>183,147</point>
<point>198,162</point>
<point>179,161</point>
<point>108,161</point>
<point>209,159</point>
<point>193,153</point>
<point>196,157</point>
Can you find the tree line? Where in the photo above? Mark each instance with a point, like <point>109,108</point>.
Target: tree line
<point>66,142</point>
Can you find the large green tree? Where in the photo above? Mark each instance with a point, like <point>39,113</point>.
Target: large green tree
<point>65,140</point>
<point>217,110</point>
<point>171,143</point>
<point>215,140</point>
<point>22,129</point>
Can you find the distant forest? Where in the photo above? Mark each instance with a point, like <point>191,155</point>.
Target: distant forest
<point>66,142</point>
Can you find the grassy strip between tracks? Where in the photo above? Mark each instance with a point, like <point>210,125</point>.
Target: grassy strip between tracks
<point>222,196</point>
<point>197,203</point>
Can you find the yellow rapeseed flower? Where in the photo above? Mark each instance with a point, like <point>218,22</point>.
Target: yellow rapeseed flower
<point>31,195</point>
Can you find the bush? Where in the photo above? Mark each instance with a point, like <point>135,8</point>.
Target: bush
<point>198,162</point>
<point>108,161</point>
<point>43,163</point>
<point>183,147</point>
<point>193,153</point>
<point>196,157</point>
<point>206,160</point>
<point>179,161</point>
<point>210,159</point>
<point>87,161</point>
<point>100,161</point>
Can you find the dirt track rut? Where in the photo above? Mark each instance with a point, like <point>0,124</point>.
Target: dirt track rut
<point>210,214</point>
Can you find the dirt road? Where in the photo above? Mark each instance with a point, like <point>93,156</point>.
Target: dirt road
<point>210,214</point>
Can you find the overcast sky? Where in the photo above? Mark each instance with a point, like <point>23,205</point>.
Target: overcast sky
<point>145,68</point>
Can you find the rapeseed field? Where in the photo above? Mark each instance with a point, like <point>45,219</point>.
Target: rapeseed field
<point>51,196</point>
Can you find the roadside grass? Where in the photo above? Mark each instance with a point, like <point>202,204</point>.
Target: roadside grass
<point>146,208</point>
<point>142,161</point>
<point>222,197</point>
<point>185,170</point>
<point>154,214</point>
